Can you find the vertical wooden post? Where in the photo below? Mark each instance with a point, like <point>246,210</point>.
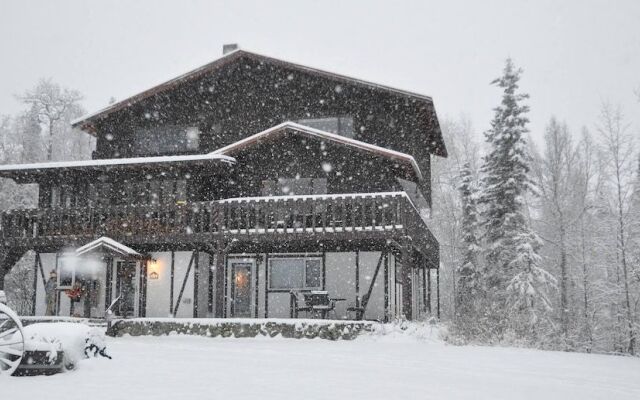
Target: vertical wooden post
<point>256,289</point>
<point>406,279</point>
<point>266,285</point>
<point>35,284</point>
<point>357,278</point>
<point>196,278</point>
<point>210,286</point>
<point>142,291</point>
<point>386,287</point>
<point>220,280</point>
<point>173,273</point>
<point>438,289</point>
<point>108,288</point>
<point>429,290</point>
<point>324,269</point>
<point>3,259</point>
<point>424,289</point>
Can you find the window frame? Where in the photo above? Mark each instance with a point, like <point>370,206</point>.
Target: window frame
<point>303,265</point>
<point>341,122</point>
<point>59,267</point>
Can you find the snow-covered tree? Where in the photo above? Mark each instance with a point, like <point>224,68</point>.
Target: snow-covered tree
<point>469,293</point>
<point>561,188</point>
<point>515,280</point>
<point>54,106</point>
<point>619,150</point>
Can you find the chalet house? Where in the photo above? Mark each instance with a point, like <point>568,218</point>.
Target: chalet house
<point>240,189</point>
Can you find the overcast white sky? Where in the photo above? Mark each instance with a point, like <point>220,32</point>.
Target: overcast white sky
<point>575,53</point>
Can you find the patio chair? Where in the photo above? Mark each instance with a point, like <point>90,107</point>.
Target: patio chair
<point>318,302</point>
<point>294,305</point>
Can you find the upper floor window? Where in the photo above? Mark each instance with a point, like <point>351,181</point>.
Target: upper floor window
<point>342,126</point>
<point>166,140</point>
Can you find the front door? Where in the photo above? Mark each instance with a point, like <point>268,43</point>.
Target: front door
<point>126,288</point>
<point>241,293</point>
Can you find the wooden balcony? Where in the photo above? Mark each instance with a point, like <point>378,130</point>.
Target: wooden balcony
<point>348,216</point>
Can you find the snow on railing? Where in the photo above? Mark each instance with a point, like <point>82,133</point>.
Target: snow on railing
<point>355,214</point>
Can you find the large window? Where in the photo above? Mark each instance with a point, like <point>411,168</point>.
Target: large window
<point>166,140</point>
<point>339,125</point>
<point>295,273</point>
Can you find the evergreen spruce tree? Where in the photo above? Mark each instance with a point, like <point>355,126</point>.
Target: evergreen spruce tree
<point>469,292</point>
<point>515,282</point>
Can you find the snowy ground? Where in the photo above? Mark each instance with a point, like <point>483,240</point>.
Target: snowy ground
<point>389,367</point>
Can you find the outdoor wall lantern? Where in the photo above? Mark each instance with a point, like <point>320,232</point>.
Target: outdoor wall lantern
<point>153,267</point>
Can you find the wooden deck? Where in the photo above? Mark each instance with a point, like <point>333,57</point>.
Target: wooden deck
<point>336,217</point>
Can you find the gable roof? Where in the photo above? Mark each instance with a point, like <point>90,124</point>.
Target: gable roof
<point>289,126</point>
<point>86,121</point>
<point>111,246</point>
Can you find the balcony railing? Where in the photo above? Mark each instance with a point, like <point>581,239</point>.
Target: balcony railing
<point>315,214</point>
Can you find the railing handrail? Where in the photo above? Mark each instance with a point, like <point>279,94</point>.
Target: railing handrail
<point>309,213</point>
<point>311,197</point>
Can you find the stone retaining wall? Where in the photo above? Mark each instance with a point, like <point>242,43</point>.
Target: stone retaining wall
<point>297,329</point>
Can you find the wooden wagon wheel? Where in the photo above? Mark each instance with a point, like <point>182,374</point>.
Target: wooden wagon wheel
<point>11,341</point>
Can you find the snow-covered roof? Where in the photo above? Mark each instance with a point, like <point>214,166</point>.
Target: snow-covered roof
<point>317,133</point>
<point>105,243</point>
<point>221,61</point>
<point>29,172</point>
<point>115,162</point>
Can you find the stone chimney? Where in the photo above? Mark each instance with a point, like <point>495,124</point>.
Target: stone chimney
<point>228,48</point>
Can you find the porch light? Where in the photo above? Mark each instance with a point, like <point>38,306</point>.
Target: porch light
<point>153,269</point>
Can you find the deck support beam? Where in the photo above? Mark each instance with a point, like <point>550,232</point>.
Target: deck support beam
<point>425,271</point>
<point>438,290</point>
<point>173,272</point>
<point>3,267</point>
<point>220,280</point>
<point>407,270</point>
<point>196,278</point>
<point>429,290</point>
<point>386,289</point>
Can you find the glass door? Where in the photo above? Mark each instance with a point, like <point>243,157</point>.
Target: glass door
<point>241,292</point>
<point>126,288</point>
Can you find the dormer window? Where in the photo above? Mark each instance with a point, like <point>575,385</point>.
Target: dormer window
<point>342,126</point>
<point>168,139</point>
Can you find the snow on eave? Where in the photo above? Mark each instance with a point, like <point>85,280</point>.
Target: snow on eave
<point>232,55</point>
<point>314,197</point>
<point>381,151</point>
<point>116,162</point>
<point>109,244</point>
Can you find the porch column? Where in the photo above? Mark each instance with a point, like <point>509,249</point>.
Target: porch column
<point>386,288</point>
<point>429,290</point>
<point>219,290</point>
<point>406,279</point>
<point>438,289</point>
<point>424,287</point>
<point>3,268</point>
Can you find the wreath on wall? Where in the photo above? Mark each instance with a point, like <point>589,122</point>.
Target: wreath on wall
<point>74,293</point>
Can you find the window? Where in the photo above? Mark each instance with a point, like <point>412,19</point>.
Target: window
<point>66,272</point>
<point>294,186</point>
<point>295,273</point>
<point>166,140</point>
<point>339,125</point>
